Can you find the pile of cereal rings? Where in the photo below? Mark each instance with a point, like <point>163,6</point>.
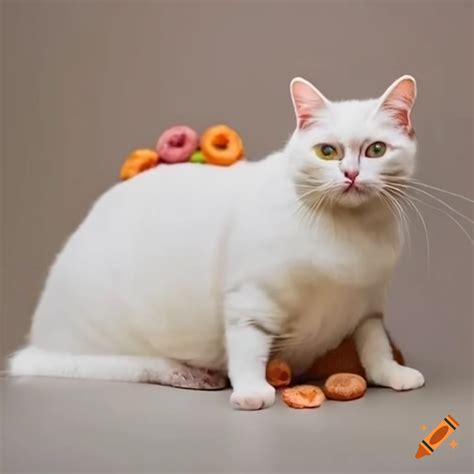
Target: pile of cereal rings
<point>218,145</point>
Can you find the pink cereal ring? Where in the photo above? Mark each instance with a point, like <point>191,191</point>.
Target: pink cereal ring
<point>177,144</point>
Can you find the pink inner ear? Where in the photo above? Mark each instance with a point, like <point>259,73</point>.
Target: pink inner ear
<point>399,103</point>
<point>307,102</point>
<point>305,115</point>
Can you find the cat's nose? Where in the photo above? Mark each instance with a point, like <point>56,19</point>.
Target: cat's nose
<point>351,174</point>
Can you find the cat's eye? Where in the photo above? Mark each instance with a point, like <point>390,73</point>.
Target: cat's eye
<point>326,151</point>
<point>376,150</point>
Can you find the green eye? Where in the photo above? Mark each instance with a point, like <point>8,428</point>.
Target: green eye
<point>376,150</point>
<point>326,152</point>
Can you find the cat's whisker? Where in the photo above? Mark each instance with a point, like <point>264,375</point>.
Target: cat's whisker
<point>441,190</point>
<point>308,210</point>
<point>402,217</point>
<point>404,224</point>
<point>465,232</point>
<point>316,207</point>
<point>311,186</point>
<point>407,200</point>
<point>311,182</point>
<point>316,187</point>
<point>441,201</point>
<point>306,216</point>
<point>301,203</point>
<point>389,206</point>
<point>443,211</point>
<point>305,212</point>
<point>425,228</point>
<point>309,214</point>
<point>446,213</point>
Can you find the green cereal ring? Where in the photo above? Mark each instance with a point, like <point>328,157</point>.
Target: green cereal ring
<point>197,157</point>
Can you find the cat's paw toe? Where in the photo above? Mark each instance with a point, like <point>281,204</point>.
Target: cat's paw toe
<point>405,378</point>
<point>253,398</point>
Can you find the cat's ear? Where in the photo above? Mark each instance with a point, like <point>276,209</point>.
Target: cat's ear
<point>307,101</point>
<point>398,101</point>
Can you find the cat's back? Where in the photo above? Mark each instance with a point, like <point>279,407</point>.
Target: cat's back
<point>187,199</point>
<point>181,185</point>
<point>169,200</point>
<point>150,252</point>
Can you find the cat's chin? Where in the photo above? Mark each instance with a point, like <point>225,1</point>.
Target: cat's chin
<point>354,197</point>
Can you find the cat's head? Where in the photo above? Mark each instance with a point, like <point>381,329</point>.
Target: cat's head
<point>351,151</point>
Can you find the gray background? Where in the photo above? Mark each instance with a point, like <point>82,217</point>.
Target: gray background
<point>84,82</point>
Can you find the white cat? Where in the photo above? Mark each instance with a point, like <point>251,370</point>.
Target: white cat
<point>187,273</point>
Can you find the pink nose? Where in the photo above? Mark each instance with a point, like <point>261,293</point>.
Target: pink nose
<point>351,174</point>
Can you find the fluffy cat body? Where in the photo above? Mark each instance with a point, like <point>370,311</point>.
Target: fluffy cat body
<point>188,269</point>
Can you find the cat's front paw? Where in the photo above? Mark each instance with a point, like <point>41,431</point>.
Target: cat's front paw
<point>397,377</point>
<point>253,397</point>
<point>405,378</point>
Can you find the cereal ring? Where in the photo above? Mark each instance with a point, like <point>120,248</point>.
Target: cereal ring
<point>138,161</point>
<point>278,373</point>
<point>221,145</point>
<point>197,157</point>
<point>345,386</point>
<point>303,396</point>
<point>176,144</point>
<point>344,358</point>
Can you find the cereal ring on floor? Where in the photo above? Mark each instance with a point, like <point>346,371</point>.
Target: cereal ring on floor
<point>176,144</point>
<point>138,161</point>
<point>221,145</point>
<point>345,386</point>
<point>278,373</point>
<point>303,396</point>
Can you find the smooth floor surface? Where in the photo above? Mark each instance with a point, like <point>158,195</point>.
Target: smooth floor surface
<point>61,425</point>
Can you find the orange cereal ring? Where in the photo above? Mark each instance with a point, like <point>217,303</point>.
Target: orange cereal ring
<point>278,373</point>
<point>138,161</point>
<point>344,358</point>
<point>221,145</point>
<point>345,386</point>
<point>303,396</point>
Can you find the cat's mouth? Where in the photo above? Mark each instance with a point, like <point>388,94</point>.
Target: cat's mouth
<point>354,194</point>
<point>353,187</point>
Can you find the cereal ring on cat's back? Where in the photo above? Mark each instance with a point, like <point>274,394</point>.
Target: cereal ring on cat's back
<point>138,161</point>
<point>303,396</point>
<point>345,386</point>
<point>278,373</point>
<point>221,145</point>
<point>177,144</point>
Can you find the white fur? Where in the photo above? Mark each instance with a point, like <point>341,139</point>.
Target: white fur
<point>202,266</point>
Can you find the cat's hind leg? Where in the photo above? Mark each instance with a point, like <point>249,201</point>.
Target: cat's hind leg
<point>39,362</point>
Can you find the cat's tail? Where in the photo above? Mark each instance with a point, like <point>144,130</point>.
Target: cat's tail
<point>36,361</point>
